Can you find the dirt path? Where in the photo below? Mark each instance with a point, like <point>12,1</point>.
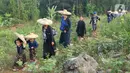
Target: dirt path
<point>13,28</point>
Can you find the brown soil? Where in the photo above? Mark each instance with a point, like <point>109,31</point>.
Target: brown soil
<point>13,28</point>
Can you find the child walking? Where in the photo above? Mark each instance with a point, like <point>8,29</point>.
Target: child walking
<point>81,28</point>
<point>32,45</point>
<point>93,21</point>
<point>20,44</point>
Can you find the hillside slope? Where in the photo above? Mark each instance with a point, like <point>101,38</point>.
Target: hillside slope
<point>110,47</point>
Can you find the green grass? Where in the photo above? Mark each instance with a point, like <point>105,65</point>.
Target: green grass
<point>112,38</point>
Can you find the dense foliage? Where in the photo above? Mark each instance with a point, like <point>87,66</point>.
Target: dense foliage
<point>31,9</point>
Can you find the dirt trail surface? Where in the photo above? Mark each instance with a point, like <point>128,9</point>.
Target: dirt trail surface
<point>13,28</point>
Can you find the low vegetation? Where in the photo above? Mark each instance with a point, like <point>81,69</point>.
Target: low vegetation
<point>110,48</point>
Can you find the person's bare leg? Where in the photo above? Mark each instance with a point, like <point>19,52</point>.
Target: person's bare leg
<point>79,37</point>
<point>93,33</point>
<point>82,39</point>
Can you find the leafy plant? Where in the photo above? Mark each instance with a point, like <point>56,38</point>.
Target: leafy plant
<point>6,20</point>
<point>20,63</point>
<point>1,19</point>
<point>116,65</point>
<point>32,67</point>
<point>52,12</point>
<point>90,8</point>
<point>3,59</point>
<point>48,65</point>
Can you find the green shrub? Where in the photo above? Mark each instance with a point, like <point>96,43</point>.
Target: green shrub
<point>47,65</point>
<point>4,59</point>
<point>52,12</point>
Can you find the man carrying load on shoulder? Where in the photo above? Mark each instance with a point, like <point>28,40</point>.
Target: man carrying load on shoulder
<point>93,21</point>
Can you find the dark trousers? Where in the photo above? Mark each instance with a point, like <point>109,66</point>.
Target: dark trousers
<point>48,54</point>
<point>94,26</point>
<point>22,58</point>
<point>109,19</point>
<point>32,53</point>
<point>80,34</point>
<point>48,50</point>
<point>65,38</point>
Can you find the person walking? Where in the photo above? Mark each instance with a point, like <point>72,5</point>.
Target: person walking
<point>65,28</point>
<point>109,16</point>
<point>32,43</point>
<point>93,21</point>
<point>21,56</point>
<point>81,28</point>
<point>49,45</point>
